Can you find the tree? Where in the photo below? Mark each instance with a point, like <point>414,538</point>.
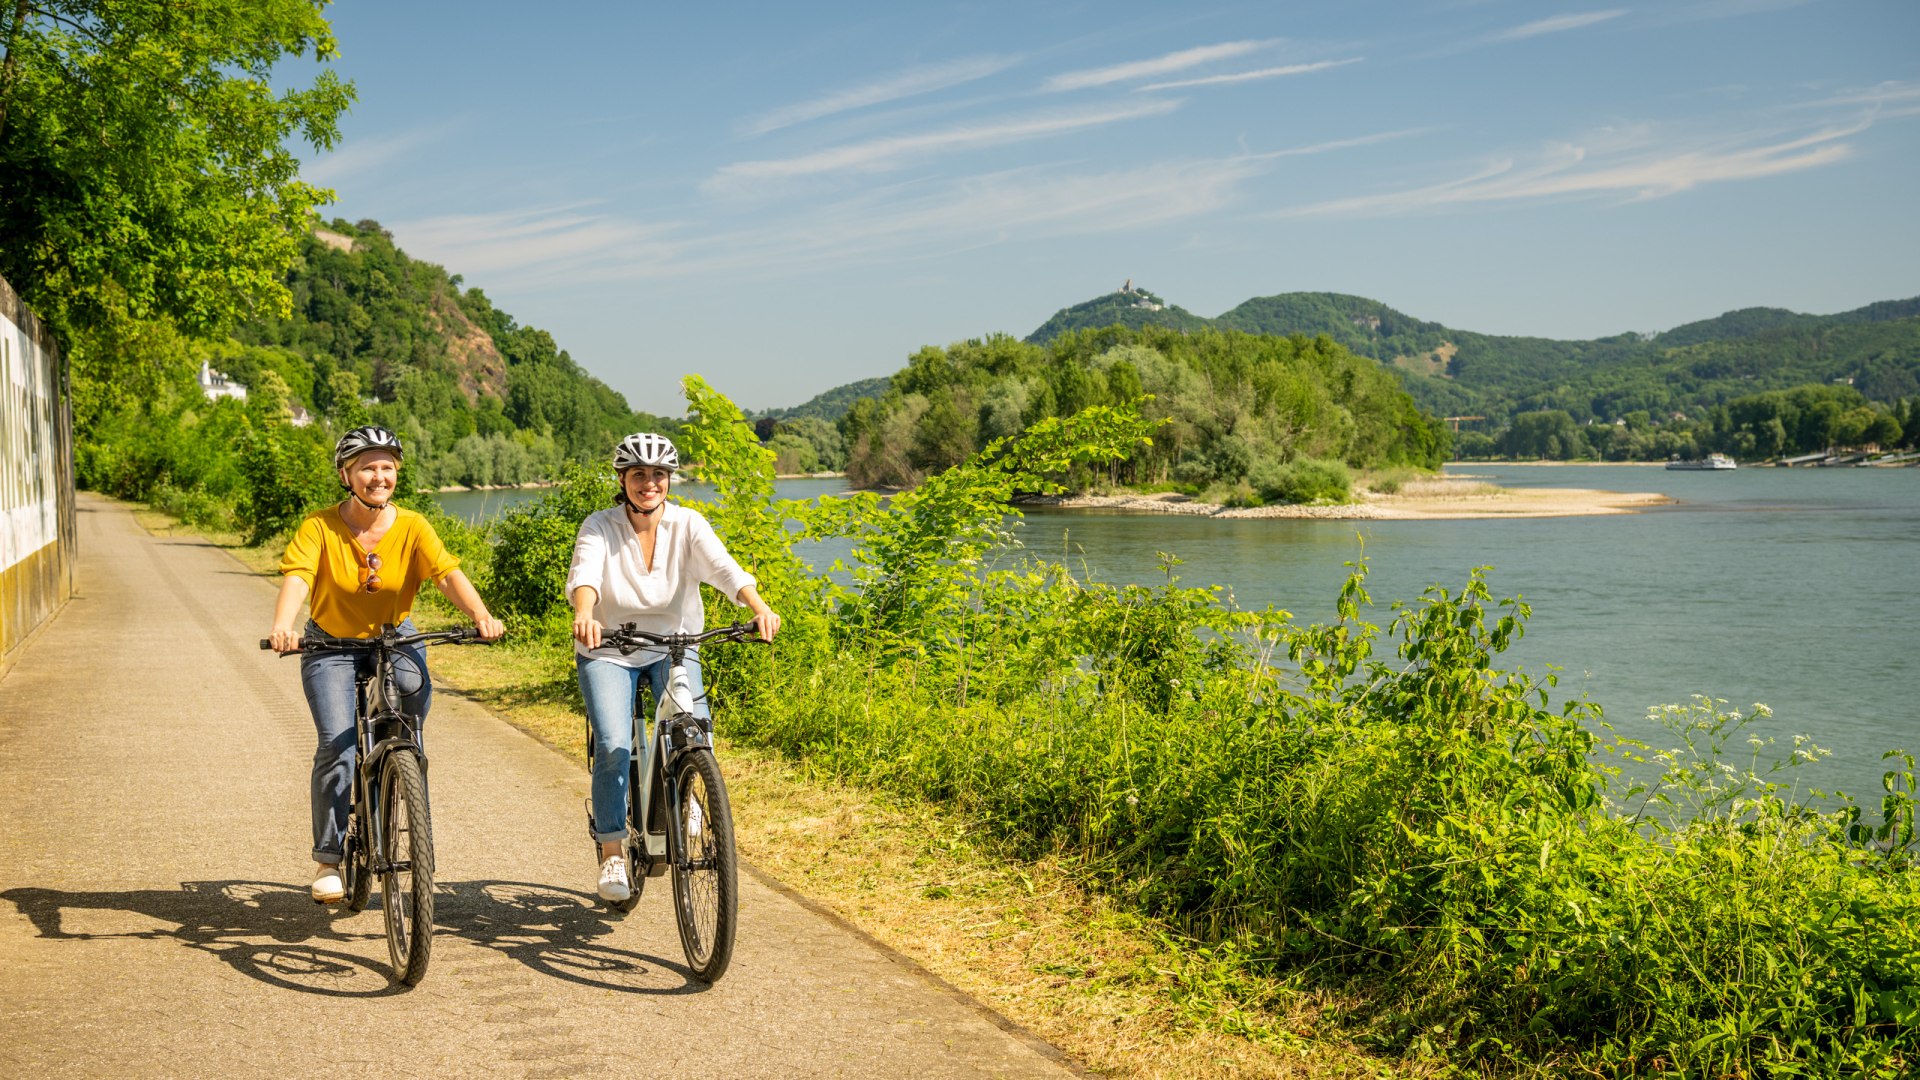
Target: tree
<point>1549,433</point>
<point>143,157</point>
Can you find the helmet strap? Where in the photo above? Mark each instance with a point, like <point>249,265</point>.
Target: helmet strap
<point>369,507</point>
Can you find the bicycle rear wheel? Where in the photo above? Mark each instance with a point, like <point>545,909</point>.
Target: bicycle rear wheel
<point>705,877</point>
<point>406,881</point>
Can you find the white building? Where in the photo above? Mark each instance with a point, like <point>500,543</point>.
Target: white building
<point>216,385</point>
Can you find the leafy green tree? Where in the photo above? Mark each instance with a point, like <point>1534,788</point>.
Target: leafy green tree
<point>945,434</point>
<point>143,159</point>
<point>1549,433</point>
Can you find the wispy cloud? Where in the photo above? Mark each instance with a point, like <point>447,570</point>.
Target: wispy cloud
<point>356,157</point>
<point>1557,24</point>
<point>569,246</point>
<point>905,84</point>
<point>1629,169</point>
<point>1344,144</point>
<point>510,242</point>
<point>879,155</point>
<point>1159,65</point>
<point>1878,96</point>
<point>1250,76</point>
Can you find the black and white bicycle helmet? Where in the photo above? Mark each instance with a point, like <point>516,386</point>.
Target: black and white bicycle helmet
<point>645,448</point>
<point>362,439</point>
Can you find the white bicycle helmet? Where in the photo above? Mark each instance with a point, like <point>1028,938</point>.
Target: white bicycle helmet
<point>645,448</point>
<point>362,439</point>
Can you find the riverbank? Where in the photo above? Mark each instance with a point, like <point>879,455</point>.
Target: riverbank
<point>1438,499</point>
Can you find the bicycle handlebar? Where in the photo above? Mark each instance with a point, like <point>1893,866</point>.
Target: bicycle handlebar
<point>628,637</point>
<point>465,635</point>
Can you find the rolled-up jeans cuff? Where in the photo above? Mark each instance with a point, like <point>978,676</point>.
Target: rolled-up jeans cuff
<point>609,838</point>
<point>327,858</point>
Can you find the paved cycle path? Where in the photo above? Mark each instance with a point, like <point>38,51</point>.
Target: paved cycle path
<point>153,873</point>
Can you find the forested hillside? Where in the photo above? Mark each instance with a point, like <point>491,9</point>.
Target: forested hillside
<point>479,398</point>
<point>833,404</point>
<point>371,336</point>
<point>1129,307</point>
<point>1669,391</point>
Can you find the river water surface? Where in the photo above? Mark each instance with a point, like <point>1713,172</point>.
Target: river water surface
<point>1791,587</point>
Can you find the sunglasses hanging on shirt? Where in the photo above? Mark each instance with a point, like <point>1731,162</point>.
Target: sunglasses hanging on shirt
<point>371,568</point>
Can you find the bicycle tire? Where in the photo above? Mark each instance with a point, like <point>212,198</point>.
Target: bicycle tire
<point>355,869</point>
<point>706,881</point>
<point>406,897</point>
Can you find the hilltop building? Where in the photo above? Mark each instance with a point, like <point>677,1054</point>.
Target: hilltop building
<point>1145,301</point>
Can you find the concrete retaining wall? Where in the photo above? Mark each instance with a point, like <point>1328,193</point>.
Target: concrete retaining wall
<point>37,535</point>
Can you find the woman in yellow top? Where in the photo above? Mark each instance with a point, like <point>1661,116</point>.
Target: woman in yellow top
<point>361,562</point>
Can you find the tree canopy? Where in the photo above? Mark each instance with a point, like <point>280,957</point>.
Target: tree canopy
<point>144,166</point>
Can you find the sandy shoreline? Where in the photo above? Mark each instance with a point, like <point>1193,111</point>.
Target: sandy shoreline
<point>1425,500</point>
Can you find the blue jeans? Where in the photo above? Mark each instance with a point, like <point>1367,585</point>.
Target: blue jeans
<point>328,679</point>
<point>609,690</point>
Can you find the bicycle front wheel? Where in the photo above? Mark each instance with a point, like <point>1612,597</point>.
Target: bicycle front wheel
<point>705,878</point>
<point>406,879</point>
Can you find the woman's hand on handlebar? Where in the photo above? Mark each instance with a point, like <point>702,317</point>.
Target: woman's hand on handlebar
<point>586,631</point>
<point>769,623</point>
<point>285,639</point>
<point>491,629</point>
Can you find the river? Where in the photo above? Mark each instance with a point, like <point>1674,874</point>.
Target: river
<point>1791,587</point>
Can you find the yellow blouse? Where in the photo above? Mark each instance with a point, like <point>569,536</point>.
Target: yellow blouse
<point>324,554</point>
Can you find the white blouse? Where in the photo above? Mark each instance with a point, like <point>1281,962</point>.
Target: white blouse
<point>664,600</point>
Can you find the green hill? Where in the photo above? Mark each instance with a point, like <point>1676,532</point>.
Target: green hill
<point>1129,307</point>
<point>478,397</point>
<point>372,335</point>
<point>833,404</point>
<point>1454,372</point>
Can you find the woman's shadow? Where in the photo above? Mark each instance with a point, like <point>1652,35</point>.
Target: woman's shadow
<point>274,933</point>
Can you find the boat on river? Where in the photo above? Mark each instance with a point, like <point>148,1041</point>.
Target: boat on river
<point>1713,462</point>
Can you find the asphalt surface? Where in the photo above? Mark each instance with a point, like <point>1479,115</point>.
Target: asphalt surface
<point>154,866</point>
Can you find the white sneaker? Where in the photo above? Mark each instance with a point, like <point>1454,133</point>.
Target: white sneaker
<point>613,879</point>
<point>328,888</point>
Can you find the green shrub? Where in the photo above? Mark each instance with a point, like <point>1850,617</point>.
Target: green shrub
<point>1390,481</point>
<point>533,546</point>
<point>1303,480</point>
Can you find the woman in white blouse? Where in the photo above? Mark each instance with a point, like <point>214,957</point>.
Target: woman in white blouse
<point>641,561</point>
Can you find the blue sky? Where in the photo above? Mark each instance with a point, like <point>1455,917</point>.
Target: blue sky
<point>787,197</point>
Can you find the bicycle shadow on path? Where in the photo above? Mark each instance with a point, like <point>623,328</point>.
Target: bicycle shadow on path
<point>549,930</point>
<point>553,931</point>
<point>225,919</point>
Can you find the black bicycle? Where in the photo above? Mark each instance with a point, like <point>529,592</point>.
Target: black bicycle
<point>678,814</point>
<point>389,827</point>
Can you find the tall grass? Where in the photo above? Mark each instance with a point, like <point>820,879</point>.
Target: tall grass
<point>1385,810</point>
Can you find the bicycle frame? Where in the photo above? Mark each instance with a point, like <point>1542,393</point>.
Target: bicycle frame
<point>675,730</point>
<point>380,729</point>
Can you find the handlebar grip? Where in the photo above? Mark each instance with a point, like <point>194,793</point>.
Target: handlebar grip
<point>266,645</point>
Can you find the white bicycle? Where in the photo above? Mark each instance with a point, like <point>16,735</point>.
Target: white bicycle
<point>678,816</point>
